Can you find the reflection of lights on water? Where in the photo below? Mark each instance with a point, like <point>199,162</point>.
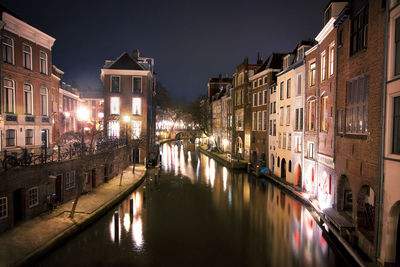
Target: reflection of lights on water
<point>189,156</point>
<point>137,232</point>
<point>225,176</point>
<point>127,223</point>
<point>230,196</point>
<point>198,169</point>
<point>111,228</point>
<point>212,172</point>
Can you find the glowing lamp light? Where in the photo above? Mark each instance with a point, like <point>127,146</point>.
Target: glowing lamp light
<point>126,119</point>
<point>101,115</point>
<point>83,114</point>
<point>67,114</point>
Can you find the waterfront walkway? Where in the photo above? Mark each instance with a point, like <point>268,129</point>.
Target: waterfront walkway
<point>30,240</point>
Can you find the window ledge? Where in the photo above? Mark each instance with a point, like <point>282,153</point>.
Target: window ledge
<point>356,136</point>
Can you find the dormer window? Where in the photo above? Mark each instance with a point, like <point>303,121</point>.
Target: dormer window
<point>300,54</point>
<point>327,15</point>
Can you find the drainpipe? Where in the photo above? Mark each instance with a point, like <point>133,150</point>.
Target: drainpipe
<point>378,234</point>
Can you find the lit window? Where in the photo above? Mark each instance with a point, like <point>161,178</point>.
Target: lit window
<point>331,60</point>
<point>298,144</point>
<point>311,115</point>
<point>3,207</point>
<point>281,116</point>
<point>311,150</point>
<point>254,121</point>
<point>114,84</point>
<point>8,50</point>
<point>28,137</point>
<point>27,56</point>
<point>324,114</point>
<point>136,106</point>
<point>113,128</point>
<point>137,84</point>
<point>43,63</point>
<point>10,137</point>
<point>259,121</point>
<point>9,94</point>
<point>136,129</point>
<point>359,31</point>
<point>44,97</point>
<point>33,194</point>
<point>114,105</point>
<point>28,100</point>
<point>357,93</point>
<point>312,74</point>
<point>69,180</point>
<point>323,66</point>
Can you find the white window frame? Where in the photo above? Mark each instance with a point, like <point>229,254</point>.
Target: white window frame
<point>254,121</point>
<point>12,49</point>
<point>331,59</point>
<point>310,152</point>
<point>33,200</point>
<point>15,137</point>
<point>312,73</point>
<point>44,110</point>
<point>133,84</point>
<point>135,126</point>
<point>46,61</point>
<point>259,121</point>
<point>113,128</point>
<point>4,203</point>
<point>23,56</point>
<point>323,65</point>
<point>31,98</point>
<point>13,95</point>
<point>265,120</point>
<point>70,181</point>
<point>33,134</point>
<point>137,105</point>
<point>287,115</point>
<point>113,102</point>
<point>265,96</point>
<point>281,115</point>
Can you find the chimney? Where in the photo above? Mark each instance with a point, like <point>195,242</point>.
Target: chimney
<point>259,59</point>
<point>136,54</point>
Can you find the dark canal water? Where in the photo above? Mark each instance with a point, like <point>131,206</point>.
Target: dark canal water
<point>198,213</point>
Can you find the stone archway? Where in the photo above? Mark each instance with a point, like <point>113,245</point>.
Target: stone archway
<point>344,196</point>
<point>283,169</point>
<point>297,175</point>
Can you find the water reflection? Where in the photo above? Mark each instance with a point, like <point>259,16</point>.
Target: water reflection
<point>199,213</point>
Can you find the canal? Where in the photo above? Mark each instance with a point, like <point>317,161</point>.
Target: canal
<point>196,212</point>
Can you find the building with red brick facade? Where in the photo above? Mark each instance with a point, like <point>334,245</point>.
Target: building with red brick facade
<point>360,63</point>
<point>25,105</point>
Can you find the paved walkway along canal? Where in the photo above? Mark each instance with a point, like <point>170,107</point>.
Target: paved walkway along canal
<point>195,212</point>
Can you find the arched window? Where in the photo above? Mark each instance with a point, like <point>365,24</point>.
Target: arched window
<point>279,160</point>
<point>290,166</point>
<point>9,95</point>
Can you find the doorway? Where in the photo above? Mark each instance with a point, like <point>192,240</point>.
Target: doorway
<point>58,188</point>
<point>93,178</point>
<point>18,205</point>
<point>398,243</point>
<point>283,169</point>
<point>135,155</point>
<point>45,138</point>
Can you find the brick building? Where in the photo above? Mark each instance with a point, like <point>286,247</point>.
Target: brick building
<point>259,83</point>
<point>93,101</point>
<point>360,58</point>
<point>26,96</point>
<point>242,98</point>
<point>128,92</point>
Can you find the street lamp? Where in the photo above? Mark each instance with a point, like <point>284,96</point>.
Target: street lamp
<point>83,115</point>
<point>126,119</point>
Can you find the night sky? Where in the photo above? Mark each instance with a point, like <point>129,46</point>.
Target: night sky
<point>190,41</point>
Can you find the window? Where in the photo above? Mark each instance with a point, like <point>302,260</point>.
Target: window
<point>327,15</point>
<point>288,115</point>
<point>311,115</point>
<point>28,137</point>
<point>397,47</point>
<point>288,94</point>
<point>260,82</point>
<point>357,92</point>
<point>44,97</point>
<point>274,133</point>
<point>8,50</point>
<point>331,60</point>
<point>113,128</point>
<point>323,66</point>
<point>340,121</point>
<point>114,105</point>
<point>311,150</point>
<point>10,137</point>
<point>359,31</point>
<point>265,80</point>
<point>281,91</point>
<point>279,140</point>
<point>265,97</point>
<point>289,146</point>
<point>298,85</point>
<point>255,84</point>
<point>69,180</point>
<point>281,116</point>
<point>396,126</point>
<point>137,84</point>
<point>28,99</point>
<point>298,144</point>
<point>324,114</point>
<point>301,119</point>
<point>254,100</point>
<point>114,84</point>
<point>312,74</point>
<point>136,129</point>
<point>136,106</point>
<point>296,119</point>
<point>259,98</point>
<point>33,196</point>
<point>43,60</point>
<point>3,207</point>
<point>9,88</point>
<point>27,56</point>
<point>284,141</point>
<point>271,108</point>
<point>270,127</point>
<point>259,121</point>
<point>265,120</point>
<point>254,121</point>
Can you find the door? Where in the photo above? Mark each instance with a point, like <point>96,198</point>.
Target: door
<point>105,172</point>
<point>135,155</point>
<point>45,138</point>
<point>58,187</point>
<point>18,205</point>
<point>283,169</point>
<point>93,178</point>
